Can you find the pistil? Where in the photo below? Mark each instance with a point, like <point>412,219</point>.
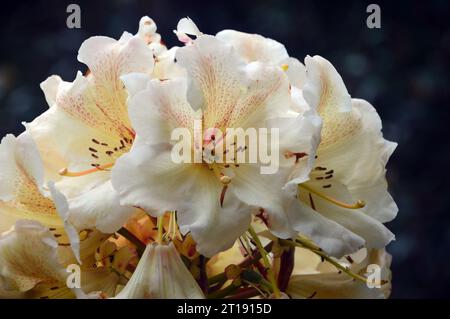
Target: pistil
<point>66,172</point>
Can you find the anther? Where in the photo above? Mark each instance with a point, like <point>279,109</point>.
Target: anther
<point>284,67</point>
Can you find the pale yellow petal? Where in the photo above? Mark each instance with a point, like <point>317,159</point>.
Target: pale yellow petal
<point>28,256</point>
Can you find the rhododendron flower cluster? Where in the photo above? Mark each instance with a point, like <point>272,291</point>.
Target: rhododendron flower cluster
<point>222,167</point>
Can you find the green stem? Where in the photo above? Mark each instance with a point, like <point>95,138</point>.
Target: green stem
<point>300,242</point>
<point>266,261</point>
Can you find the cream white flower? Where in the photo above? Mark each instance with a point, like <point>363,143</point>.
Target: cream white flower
<point>347,185</point>
<point>351,157</point>
<point>161,274</point>
<point>23,194</point>
<point>87,127</point>
<point>223,91</point>
<point>30,210</point>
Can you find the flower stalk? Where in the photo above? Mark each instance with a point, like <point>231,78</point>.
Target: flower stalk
<point>301,242</point>
<point>266,261</point>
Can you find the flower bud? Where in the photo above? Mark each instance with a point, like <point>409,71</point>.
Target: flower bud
<point>161,274</point>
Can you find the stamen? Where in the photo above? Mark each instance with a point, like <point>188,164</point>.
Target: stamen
<point>284,67</point>
<point>359,204</point>
<point>225,180</point>
<point>66,172</point>
<point>172,232</point>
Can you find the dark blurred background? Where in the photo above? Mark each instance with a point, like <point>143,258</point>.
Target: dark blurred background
<point>402,68</point>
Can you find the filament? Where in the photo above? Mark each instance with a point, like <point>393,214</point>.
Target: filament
<point>357,205</point>
<point>66,172</point>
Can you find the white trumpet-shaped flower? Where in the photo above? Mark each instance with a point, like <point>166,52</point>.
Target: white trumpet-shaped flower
<point>161,274</point>
<point>37,212</point>
<point>23,194</point>
<point>87,126</point>
<point>347,185</point>
<point>214,201</point>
